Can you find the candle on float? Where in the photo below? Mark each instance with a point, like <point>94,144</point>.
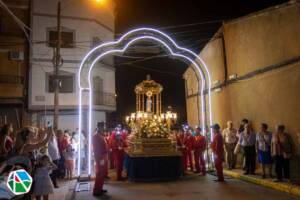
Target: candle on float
<point>175,116</point>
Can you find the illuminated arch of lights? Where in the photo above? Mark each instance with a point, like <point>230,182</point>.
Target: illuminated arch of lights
<point>120,46</point>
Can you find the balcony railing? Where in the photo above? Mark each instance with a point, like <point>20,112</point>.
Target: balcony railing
<point>11,79</point>
<point>104,99</point>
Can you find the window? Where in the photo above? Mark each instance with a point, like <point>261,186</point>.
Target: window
<point>98,90</point>
<point>66,83</point>
<point>67,39</point>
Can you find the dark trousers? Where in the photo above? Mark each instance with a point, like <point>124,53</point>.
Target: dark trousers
<point>100,173</point>
<point>282,165</point>
<point>61,167</point>
<point>199,161</point>
<point>219,168</point>
<point>249,153</point>
<point>119,161</point>
<point>55,173</point>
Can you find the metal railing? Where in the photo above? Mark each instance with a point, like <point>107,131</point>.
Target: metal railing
<point>104,98</point>
<point>11,79</point>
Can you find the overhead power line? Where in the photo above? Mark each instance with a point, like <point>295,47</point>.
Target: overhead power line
<point>193,24</point>
<point>153,70</point>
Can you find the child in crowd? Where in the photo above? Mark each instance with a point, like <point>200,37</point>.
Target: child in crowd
<point>70,157</point>
<point>42,182</point>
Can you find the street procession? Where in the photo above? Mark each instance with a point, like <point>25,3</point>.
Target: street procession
<point>130,100</point>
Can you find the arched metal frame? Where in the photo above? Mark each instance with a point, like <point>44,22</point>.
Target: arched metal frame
<point>120,46</point>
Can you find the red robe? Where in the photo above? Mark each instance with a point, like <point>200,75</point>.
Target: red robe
<point>218,150</point>
<point>118,146</point>
<point>62,145</point>
<point>189,143</point>
<point>110,154</point>
<point>100,154</point>
<point>181,147</point>
<point>199,148</point>
<point>185,145</point>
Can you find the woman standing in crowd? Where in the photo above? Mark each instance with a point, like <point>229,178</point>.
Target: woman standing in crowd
<point>42,182</point>
<point>69,156</point>
<point>24,145</point>
<point>6,142</point>
<point>282,150</point>
<point>62,145</point>
<point>247,141</point>
<point>263,145</point>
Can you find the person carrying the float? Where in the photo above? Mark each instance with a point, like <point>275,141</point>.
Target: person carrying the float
<point>218,150</point>
<point>118,144</point>
<point>199,150</point>
<point>100,154</point>
<point>189,143</point>
<point>183,145</point>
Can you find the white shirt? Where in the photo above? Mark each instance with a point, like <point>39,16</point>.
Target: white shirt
<point>53,149</point>
<point>76,140</point>
<point>229,135</point>
<point>76,144</point>
<point>264,141</point>
<point>70,153</point>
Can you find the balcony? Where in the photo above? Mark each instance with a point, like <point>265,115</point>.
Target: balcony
<point>104,99</point>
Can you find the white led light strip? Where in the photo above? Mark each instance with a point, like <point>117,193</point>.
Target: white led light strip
<point>146,34</point>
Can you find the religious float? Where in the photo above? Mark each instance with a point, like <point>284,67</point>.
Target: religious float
<point>152,149</point>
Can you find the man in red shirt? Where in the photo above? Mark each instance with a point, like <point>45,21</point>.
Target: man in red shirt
<point>182,148</point>
<point>110,154</point>
<point>118,144</point>
<point>199,149</point>
<point>100,154</point>
<point>218,150</point>
<point>189,143</point>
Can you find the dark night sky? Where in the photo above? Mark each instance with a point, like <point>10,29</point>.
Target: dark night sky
<point>165,14</point>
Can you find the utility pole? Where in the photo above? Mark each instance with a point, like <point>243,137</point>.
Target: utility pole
<point>57,63</point>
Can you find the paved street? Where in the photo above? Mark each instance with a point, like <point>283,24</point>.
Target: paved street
<point>65,190</point>
<point>188,189</point>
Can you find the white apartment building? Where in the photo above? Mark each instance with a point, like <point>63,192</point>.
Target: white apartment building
<point>84,25</point>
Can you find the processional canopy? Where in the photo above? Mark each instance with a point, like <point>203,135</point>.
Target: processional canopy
<point>150,126</point>
<point>148,96</point>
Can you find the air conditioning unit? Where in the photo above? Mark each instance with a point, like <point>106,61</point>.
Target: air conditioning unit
<point>40,98</point>
<point>16,55</point>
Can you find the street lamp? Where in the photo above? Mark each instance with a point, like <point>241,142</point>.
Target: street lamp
<point>100,1</point>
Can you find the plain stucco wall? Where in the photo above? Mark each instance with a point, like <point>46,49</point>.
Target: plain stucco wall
<point>254,42</point>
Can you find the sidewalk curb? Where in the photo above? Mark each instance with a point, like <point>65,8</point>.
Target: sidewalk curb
<point>288,188</point>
